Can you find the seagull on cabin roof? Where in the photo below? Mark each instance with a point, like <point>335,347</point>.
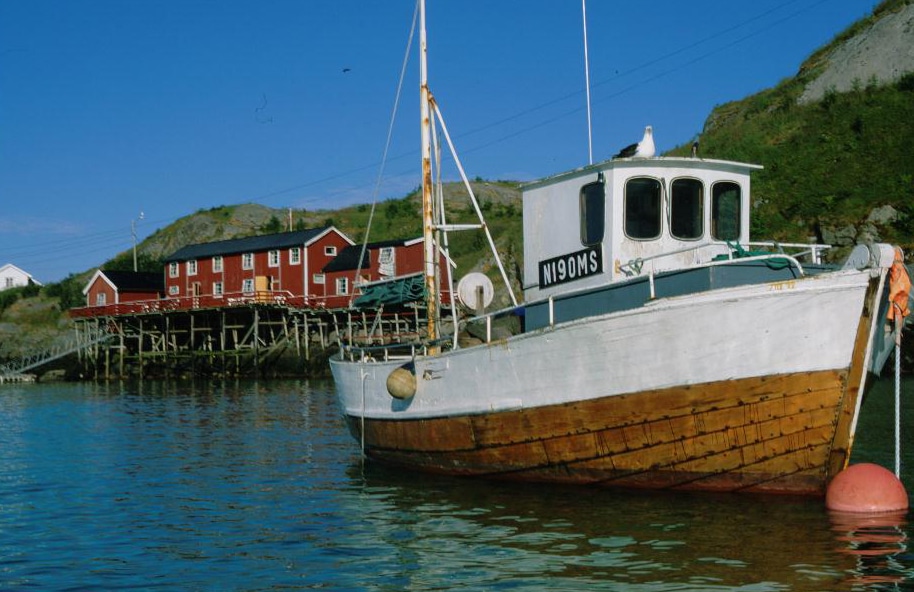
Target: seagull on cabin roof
<point>643,149</point>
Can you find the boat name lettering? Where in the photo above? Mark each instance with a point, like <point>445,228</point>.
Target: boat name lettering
<point>570,267</point>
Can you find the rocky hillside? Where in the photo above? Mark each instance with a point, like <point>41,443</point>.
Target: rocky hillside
<point>838,168</point>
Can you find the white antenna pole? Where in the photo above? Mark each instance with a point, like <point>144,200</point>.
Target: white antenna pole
<point>587,84</point>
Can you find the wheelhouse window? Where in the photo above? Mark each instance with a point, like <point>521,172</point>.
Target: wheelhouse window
<point>295,256</point>
<point>217,263</point>
<point>642,208</point>
<point>247,261</point>
<point>592,203</point>
<point>686,199</point>
<point>725,210</point>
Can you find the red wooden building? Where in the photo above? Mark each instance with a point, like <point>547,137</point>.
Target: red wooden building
<point>383,260</point>
<point>113,291</point>
<point>283,268</point>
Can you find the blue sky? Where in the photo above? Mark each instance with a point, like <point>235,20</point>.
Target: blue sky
<point>109,108</point>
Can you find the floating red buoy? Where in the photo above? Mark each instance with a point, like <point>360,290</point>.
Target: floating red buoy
<point>866,487</point>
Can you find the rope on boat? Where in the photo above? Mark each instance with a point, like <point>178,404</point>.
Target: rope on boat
<point>899,323</point>
<point>899,296</point>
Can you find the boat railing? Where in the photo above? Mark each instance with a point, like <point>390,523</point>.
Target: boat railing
<point>735,255</point>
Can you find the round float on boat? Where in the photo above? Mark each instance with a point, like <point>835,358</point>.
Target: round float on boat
<point>866,488</point>
<point>475,291</point>
<point>401,383</point>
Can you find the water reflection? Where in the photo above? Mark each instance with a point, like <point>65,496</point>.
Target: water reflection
<point>580,538</point>
<point>878,542</point>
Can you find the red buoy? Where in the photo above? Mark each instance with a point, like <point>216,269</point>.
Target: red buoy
<point>866,487</point>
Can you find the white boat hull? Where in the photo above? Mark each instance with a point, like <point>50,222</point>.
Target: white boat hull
<point>699,391</point>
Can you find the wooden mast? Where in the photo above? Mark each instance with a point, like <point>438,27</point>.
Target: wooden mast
<point>428,229</point>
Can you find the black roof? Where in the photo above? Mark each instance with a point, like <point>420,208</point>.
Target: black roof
<point>348,258</point>
<point>248,244</point>
<point>136,281</point>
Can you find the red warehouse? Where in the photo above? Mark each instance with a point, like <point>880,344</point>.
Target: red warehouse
<point>283,267</point>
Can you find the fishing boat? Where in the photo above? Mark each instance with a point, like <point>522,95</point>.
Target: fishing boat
<point>656,346</point>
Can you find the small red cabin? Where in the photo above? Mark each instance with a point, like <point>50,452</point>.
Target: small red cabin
<point>383,260</point>
<point>118,291</point>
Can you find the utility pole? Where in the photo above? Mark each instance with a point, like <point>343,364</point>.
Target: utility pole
<point>133,232</point>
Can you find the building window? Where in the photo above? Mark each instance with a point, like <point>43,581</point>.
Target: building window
<point>342,286</point>
<point>273,258</point>
<point>174,290</point>
<point>101,299</point>
<point>173,269</point>
<point>725,211</point>
<point>318,278</point>
<point>196,290</point>
<point>248,286</point>
<point>192,267</point>
<point>247,261</point>
<point>217,289</point>
<point>686,210</point>
<point>217,263</point>
<point>643,197</point>
<point>330,251</point>
<point>295,256</point>
<point>592,205</point>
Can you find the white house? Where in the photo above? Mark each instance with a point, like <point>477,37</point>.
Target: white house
<point>11,277</point>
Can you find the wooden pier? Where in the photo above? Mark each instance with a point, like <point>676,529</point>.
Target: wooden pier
<point>251,339</point>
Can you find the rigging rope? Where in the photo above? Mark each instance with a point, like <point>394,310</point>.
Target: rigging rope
<point>390,131</point>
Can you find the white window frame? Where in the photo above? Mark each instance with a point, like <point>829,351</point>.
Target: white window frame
<point>247,261</point>
<point>174,290</point>
<point>247,286</point>
<point>218,290</point>
<point>273,258</point>
<point>174,270</point>
<point>217,263</point>
<point>191,267</point>
<point>330,251</point>
<point>101,299</point>
<point>295,256</point>
<point>342,286</point>
<point>319,279</point>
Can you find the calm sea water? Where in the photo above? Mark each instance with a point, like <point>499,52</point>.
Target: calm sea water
<point>258,486</point>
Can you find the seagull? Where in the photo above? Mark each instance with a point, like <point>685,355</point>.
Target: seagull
<point>643,149</point>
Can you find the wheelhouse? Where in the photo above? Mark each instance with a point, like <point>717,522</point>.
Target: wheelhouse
<point>602,223</point>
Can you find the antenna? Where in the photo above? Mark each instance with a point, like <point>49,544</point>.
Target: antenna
<point>587,84</point>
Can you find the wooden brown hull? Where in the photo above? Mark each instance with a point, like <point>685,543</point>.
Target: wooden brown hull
<point>771,434</point>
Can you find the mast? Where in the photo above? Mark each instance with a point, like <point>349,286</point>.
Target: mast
<point>428,229</point>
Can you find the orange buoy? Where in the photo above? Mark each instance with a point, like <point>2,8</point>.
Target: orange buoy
<point>866,487</point>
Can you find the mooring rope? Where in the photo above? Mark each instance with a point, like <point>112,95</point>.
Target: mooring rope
<point>899,323</point>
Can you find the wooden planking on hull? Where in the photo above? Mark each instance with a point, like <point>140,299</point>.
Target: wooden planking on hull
<point>690,437</point>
